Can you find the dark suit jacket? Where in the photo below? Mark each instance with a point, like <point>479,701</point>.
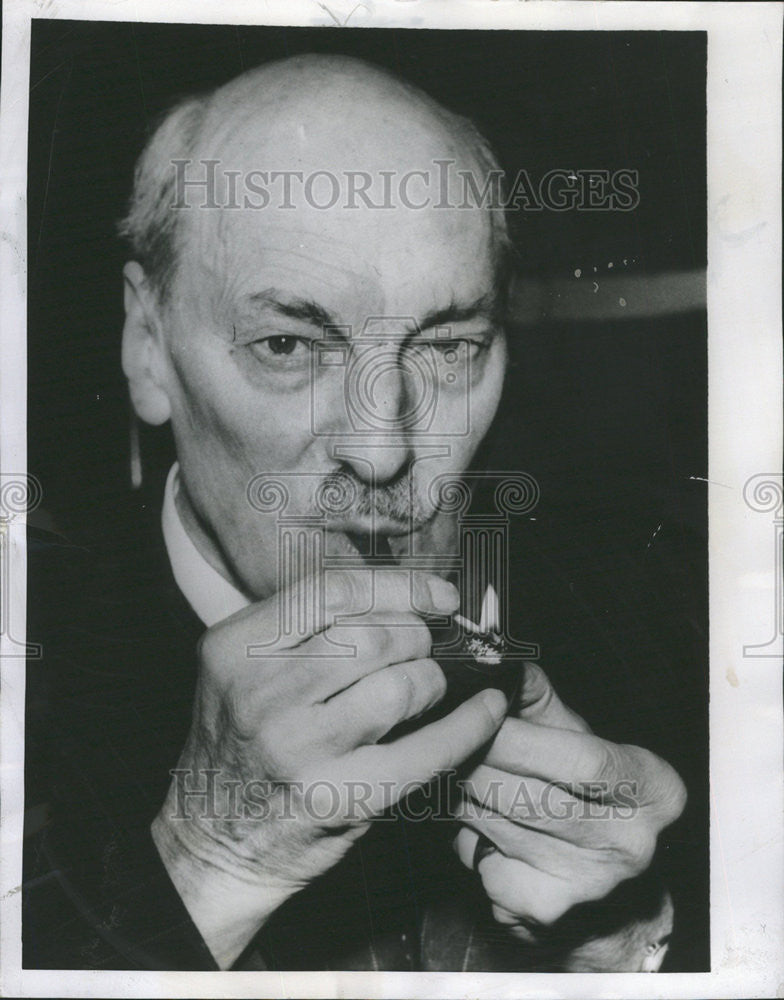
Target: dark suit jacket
<point>621,625</point>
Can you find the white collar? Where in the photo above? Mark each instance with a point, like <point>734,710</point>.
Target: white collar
<point>210,595</point>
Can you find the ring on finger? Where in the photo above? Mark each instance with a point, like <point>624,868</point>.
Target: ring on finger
<point>483,847</point>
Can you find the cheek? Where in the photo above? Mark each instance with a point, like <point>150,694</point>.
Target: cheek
<point>222,420</point>
<point>487,396</point>
<point>456,452</point>
<point>479,401</point>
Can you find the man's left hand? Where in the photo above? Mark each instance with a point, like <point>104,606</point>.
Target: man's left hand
<point>555,816</point>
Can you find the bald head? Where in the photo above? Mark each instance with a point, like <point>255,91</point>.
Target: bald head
<point>333,129</point>
<point>333,105</point>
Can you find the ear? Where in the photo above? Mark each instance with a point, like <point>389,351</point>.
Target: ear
<point>142,349</point>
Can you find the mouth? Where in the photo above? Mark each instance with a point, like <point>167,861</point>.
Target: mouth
<point>376,524</point>
<point>374,545</point>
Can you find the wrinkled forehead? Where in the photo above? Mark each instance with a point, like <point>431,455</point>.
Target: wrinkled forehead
<point>352,205</point>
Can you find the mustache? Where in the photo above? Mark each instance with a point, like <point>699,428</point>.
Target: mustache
<point>343,495</point>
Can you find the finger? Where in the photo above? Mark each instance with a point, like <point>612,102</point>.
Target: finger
<point>614,832</point>
<point>530,802</point>
<point>465,845</point>
<point>374,641</point>
<point>340,656</point>
<point>538,702</point>
<point>592,767</point>
<point>367,710</point>
<point>296,613</point>
<point>528,893</point>
<point>415,759</point>
<point>549,809</point>
<point>524,747</point>
<point>599,871</point>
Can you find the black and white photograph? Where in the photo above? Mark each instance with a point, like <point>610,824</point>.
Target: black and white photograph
<point>387,464</point>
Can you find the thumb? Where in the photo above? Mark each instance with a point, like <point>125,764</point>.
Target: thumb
<point>538,702</point>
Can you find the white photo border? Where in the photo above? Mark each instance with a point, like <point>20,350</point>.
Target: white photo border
<point>745,441</point>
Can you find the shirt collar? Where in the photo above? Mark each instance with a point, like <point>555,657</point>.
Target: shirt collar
<point>210,595</point>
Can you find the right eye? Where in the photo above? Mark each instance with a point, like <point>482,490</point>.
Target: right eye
<point>282,351</point>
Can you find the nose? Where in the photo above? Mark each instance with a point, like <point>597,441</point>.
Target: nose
<point>377,399</point>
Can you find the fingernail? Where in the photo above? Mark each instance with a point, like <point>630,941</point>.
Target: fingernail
<point>495,703</point>
<point>443,594</point>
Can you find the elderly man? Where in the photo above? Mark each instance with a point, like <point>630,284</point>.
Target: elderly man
<point>308,203</point>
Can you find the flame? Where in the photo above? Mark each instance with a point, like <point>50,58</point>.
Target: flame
<point>490,617</point>
<point>489,620</point>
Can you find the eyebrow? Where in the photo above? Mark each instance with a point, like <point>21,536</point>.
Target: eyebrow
<point>486,306</point>
<point>304,310</point>
<point>310,312</point>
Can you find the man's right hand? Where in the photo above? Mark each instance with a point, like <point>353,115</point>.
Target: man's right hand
<point>285,734</point>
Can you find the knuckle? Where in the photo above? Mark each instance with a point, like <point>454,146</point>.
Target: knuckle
<point>600,876</point>
<point>504,916</point>
<point>382,641</point>
<point>242,711</point>
<point>401,693</point>
<point>420,590</point>
<point>343,589</point>
<point>421,636</point>
<point>374,642</point>
<point>536,685</point>
<point>674,797</point>
<point>664,788</point>
<point>504,885</point>
<point>607,761</point>
<point>277,751</point>
<point>679,798</point>
<point>601,885</point>
<point>248,714</point>
<point>211,646</point>
<point>406,637</point>
<point>436,679</point>
<point>493,881</point>
<point>336,636</point>
<point>547,908</point>
<point>639,850</point>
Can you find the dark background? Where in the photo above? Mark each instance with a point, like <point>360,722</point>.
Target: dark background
<point>609,416</point>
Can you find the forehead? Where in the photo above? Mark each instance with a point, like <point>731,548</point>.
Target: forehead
<point>391,251</point>
<point>394,262</point>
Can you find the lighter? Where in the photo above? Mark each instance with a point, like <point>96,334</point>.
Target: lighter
<point>471,656</point>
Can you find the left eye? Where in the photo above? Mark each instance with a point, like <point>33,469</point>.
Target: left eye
<point>282,344</point>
